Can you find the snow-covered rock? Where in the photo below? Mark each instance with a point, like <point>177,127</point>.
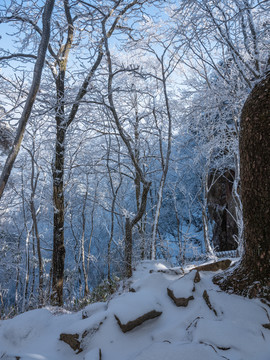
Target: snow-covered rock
<point>181,290</point>
<point>189,333</point>
<point>134,309</point>
<point>215,266</point>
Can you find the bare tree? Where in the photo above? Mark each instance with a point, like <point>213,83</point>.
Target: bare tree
<point>63,122</point>
<point>129,222</point>
<point>46,18</point>
<point>226,54</point>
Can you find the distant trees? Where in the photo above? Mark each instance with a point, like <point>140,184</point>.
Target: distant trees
<point>135,123</point>
<point>133,153</point>
<point>106,20</point>
<point>64,120</point>
<point>68,34</point>
<point>226,54</point>
<point>88,25</point>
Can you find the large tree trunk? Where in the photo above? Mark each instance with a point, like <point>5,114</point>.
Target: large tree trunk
<point>251,278</point>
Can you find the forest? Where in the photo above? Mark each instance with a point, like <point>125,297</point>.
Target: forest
<point>131,130</point>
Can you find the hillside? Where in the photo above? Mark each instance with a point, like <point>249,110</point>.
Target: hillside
<point>213,324</point>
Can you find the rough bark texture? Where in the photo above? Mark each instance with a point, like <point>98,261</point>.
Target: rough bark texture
<point>251,278</point>
<point>58,259</point>
<point>221,208</point>
<point>129,226</point>
<point>128,247</point>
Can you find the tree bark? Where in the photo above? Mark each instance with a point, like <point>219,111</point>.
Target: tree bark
<point>58,259</point>
<point>46,18</point>
<point>63,122</point>
<point>129,226</point>
<point>128,247</point>
<point>251,278</point>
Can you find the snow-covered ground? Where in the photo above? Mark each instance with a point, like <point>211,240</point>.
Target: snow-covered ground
<point>233,331</point>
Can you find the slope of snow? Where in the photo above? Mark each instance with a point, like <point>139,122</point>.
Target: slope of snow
<point>194,332</point>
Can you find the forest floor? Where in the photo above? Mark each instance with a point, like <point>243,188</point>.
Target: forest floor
<point>143,322</point>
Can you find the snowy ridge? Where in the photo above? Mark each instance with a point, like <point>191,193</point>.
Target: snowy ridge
<point>233,331</point>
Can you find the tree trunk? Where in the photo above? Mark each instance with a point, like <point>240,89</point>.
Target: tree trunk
<point>204,204</point>
<point>128,247</point>
<point>58,221</point>
<point>34,213</point>
<point>40,262</point>
<point>85,273</point>
<point>46,18</point>
<point>129,226</point>
<point>222,208</point>
<point>58,196</point>
<point>251,278</point>
<point>156,219</point>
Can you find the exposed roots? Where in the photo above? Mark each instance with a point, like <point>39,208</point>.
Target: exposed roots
<point>245,283</point>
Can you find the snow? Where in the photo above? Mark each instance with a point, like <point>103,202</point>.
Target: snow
<point>130,306</point>
<point>183,287</point>
<point>176,351</point>
<point>188,333</point>
<point>92,355</point>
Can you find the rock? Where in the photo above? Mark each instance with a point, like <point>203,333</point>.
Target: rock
<point>84,315</point>
<point>168,271</point>
<point>224,348</point>
<point>179,301</point>
<point>89,332</point>
<point>180,291</point>
<point>172,271</point>
<point>222,211</point>
<point>93,309</point>
<point>136,322</point>
<point>197,277</point>
<point>132,309</point>
<point>208,303</point>
<point>219,265</point>
<point>72,340</point>
<point>6,134</point>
